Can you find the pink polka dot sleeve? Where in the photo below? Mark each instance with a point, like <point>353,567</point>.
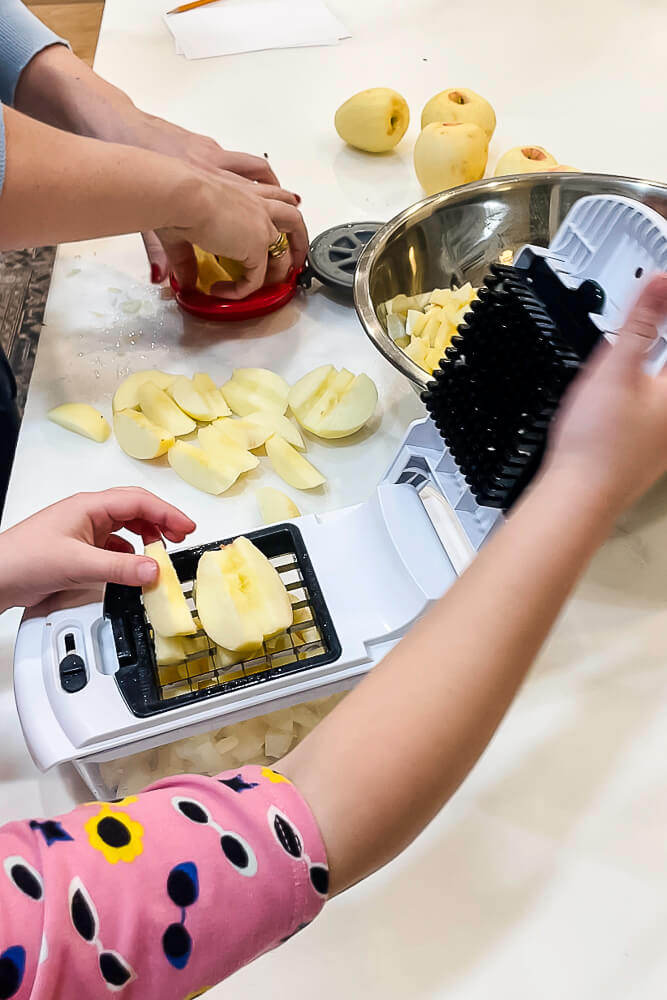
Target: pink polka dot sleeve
<point>160,895</point>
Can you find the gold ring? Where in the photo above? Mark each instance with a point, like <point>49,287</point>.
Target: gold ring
<point>279,247</point>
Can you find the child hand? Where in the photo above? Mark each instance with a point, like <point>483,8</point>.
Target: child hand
<point>73,545</point>
<point>610,439</point>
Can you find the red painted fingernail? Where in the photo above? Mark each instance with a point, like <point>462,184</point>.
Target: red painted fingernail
<point>155,274</point>
<point>298,198</point>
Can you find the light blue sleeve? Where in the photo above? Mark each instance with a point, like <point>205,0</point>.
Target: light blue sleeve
<point>22,36</point>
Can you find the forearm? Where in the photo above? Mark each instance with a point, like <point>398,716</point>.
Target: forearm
<point>79,188</point>
<point>424,716</point>
<point>59,89</point>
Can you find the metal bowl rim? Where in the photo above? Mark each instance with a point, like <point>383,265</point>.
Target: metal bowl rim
<point>417,211</point>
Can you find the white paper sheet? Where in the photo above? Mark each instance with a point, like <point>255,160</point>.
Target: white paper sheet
<point>232,26</point>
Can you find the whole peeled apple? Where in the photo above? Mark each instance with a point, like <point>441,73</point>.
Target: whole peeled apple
<point>449,154</point>
<point>458,104</point>
<point>374,120</point>
<point>525,160</point>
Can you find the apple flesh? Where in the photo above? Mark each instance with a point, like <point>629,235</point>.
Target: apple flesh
<point>459,104</point>
<point>275,505</point>
<point>374,120</point>
<point>81,419</point>
<point>292,467</point>
<point>201,469</point>
<point>126,396</point>
<point>189,399</point>
<point>447,155</point>
<point>164,601</point>
<point>241,599</point>
<point>163,411</point>
<point>205,385</point>
<point>226,453</point>
<point>252,389</point>
<point>331,403</point>
<point>139,437</point>
<point>524,160</point>
<point>212,269</point>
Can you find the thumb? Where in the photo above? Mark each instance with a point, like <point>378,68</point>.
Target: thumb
<point>105,566</point>
<point>157,257</point>
<point>645,317</point>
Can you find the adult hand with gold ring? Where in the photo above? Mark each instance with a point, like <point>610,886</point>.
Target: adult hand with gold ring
<point>233,222</point>
<point>279,247</point>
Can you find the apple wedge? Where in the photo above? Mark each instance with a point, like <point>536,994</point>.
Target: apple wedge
<point>189,399</point>
<point>162,410</point>
<point>291,466</point>
<point>275,505</point>
<point>139,437</point>
<point>241,599</point>
<point>262,425</point>
<point>333,404</point>
<point>204,384</point>
<point>164,601</point>
<point>201,469</point>
<point>252,389</point>
<point>127,394</point>
<point>81,419</point>
<point>225,452</point>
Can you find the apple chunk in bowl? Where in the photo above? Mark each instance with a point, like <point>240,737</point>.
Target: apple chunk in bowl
<point>453,238</point>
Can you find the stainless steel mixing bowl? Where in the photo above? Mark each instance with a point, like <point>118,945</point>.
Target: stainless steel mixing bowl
<point>453,237</point>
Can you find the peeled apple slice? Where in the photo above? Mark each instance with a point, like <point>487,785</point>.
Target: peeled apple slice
<point>139,437</point>
<point>211,269</point>
<point>204,384</point>
<point>81,419</point>
<point>164,601</point>
<point>252,389</point>
<point>200,469</point>
<point>260,427</point>
<point>241,599</point>
<point>225,452</point>
<point>127,393</point>
<point>162,410</point>
<point>275,505</point>
<point>291,466</point>
<point>188,398</point>
<point>333,404</point>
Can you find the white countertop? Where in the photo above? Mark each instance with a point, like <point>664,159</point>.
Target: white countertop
<point>547,874</point>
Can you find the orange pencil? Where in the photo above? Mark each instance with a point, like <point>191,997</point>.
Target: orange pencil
<point>190,6</point>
